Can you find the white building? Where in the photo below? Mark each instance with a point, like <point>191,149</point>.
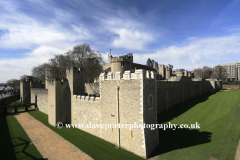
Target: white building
<point>233,71</point>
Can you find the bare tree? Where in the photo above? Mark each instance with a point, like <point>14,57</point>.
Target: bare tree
<point>204,72</point>
<point>39,71</point>
<point>13,83</point>
<point>91,61</point>
<point>219,72</point>
<point>198,72</point>
<point>207,71</point>
<point>23,77</point>
<point>58,66</point>
<point>80,53</point>
<point>81,56</point>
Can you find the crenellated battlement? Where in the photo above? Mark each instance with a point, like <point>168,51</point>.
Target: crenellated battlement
<point>55,81</point>
<point>30,78</point>
<point>86,98</point>
<point>130,97</point>
<point>139,74</point>
<point>121,59</point>
<point>74,69</point>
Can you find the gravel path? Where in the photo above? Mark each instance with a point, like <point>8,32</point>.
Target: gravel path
<point>48,143</point>
<point>237,155</point>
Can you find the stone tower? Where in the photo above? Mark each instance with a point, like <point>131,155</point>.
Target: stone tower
<point>60,94</point>
<point>25,88</point>
<point>121,64</point>
<point>168,72</point>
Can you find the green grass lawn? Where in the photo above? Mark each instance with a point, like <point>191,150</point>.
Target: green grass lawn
<point>95,147</point>
<point>16,102</point>
<point>11,110</point>
<point>218,116</point>
<point>14,142</point>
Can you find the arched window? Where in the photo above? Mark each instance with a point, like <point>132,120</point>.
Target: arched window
<point>150,102</point>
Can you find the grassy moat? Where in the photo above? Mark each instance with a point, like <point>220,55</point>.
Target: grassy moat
<point>217,114</point>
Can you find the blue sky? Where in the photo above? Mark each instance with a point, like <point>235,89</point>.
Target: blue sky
<point>184,33</point>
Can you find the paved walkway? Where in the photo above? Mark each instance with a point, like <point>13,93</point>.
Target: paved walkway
<point>48,143</point>
<point>237,155</point>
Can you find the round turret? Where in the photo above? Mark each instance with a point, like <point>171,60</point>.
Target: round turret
<point>121,63</point>
<point>168,73</point>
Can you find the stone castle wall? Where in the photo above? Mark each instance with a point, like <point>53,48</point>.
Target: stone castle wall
<point>41,97</point>
<point>227,86</point>
<point>129,98</point>
<point>25,91</point>
<point>149,111</point>
<point>122,106</point>
<point>10,99</point>
<point>59,102</point>
<point>125,101</point>
<point>86,110</point>
<point>52,102</point>
<point>91,87</point>
<point>171,93</point>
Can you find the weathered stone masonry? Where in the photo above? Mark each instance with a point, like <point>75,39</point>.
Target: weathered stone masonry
<point>134,98</point>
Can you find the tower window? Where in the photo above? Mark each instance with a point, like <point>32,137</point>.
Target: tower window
<point>150,102</point>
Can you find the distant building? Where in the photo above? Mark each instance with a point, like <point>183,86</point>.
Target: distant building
<point>152,63</point>
<point>233,71</point>
<point>167,71</point>
<point>170,66</point>
<point>149,62</point>
<point>155,65</point>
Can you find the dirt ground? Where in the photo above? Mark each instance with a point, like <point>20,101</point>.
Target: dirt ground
<point>48,143</point>
<point>224,86</point>
<point>237,155</point>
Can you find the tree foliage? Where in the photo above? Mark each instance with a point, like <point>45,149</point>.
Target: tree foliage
<point>23,77</point>
<point>219,72</point>
<point>204,72</point>
<point>81,56</point>
<point>39,71</point>
<point>13,83</point>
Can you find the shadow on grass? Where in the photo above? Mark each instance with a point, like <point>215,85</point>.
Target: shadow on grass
<point>14,142</point>
<point>13,113</point>
<point>94,146</point>
<point>179,109</point>
<point>6,147</point>
<point>25,149</point>
<point>170,140</point>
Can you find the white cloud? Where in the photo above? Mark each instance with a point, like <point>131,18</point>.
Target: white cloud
<point>44,39</point>
<point>131,39</point>
<point>117,29</point>
<point>28,32</point>
<point>14,68</point>
<point>129,34</point>
<point>24,31</point>
<point>197,51</point>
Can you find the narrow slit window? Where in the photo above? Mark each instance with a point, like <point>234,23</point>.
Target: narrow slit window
<point>150,102</point>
